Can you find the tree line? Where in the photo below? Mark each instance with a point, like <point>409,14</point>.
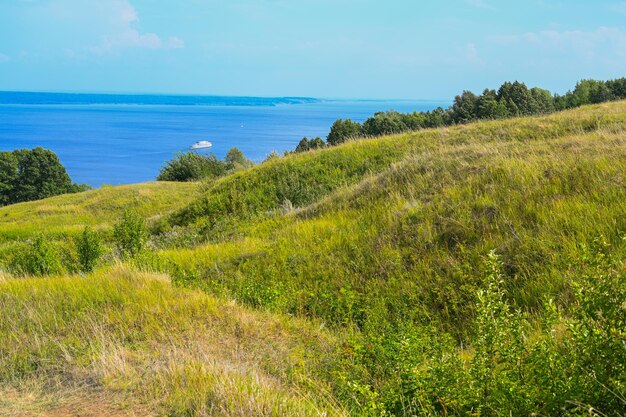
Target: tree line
<point>512,99</point>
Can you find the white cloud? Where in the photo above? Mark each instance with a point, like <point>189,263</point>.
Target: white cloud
<point>589,44</point>
<point>121,19</point>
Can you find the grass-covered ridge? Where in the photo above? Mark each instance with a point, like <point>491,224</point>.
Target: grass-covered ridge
<point>99,208</point>
<point>302,179</point>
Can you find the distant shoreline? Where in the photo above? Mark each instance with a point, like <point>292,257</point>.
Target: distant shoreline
<point>48,98</point>
<point>43,98</point>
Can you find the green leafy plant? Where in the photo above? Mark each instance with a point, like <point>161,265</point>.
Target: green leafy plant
<point>89,249</point>
<point>130,234</point>
<point>191,166</point>
<point>38,258</point>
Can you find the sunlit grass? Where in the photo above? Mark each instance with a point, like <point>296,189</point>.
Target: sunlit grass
<point>147,344</point>
<point>99,208</point>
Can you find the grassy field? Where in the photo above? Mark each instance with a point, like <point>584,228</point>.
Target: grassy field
<point>99,208</point>
<point>350,280</point>
<point>133,344</point>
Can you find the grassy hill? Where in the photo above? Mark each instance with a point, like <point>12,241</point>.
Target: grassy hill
<point>364,274</point>
<point>412,217</point>
<point>99,208</point>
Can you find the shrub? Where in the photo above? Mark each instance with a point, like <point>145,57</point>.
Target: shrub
<point>38,258</point>
<point>89,249</point>
<point>191,166</point>
<point>130,234</point>
<point>598,331</point>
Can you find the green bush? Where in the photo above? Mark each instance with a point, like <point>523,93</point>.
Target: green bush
<point>38,258</point>
<point>191,166</point>
<point>89,249</point>
<point>130,234</point>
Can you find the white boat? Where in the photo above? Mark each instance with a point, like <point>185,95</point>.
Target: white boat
<point>203,144</point>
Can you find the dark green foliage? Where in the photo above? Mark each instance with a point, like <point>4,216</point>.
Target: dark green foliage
<point>27,175</point>
<point>89,249</point>
<point>436,118</point>
<point>465,107</point>
<point>38,258</point>
<point>130,234</point>
<point>571,366</point>
<point>191,166</point>
<point>306,145</point>
<point>343,130</point>
<point>8,176</point>
<point>235,160</point>
<point>385,123</point>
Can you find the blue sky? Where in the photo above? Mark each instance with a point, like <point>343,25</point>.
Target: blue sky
<point>321,48</point>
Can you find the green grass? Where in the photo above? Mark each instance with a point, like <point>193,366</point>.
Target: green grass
<point>133,339</point>
<point>99,208</point>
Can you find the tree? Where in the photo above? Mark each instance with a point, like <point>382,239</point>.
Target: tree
<point>303,145</point>
<point>306,145</point>
<point>465,107</point>
<point>617,88</point>
<point>39,175</point>
<point>343,130</point>
<point>384,123</point>
<point>437,118</point>
<point>130,234</point>
<point>8,176</point>
<point>235,160</point>
<point>89,249</point>
<point>517,98</point>
<point>317,143</point>
<point>542,101</point>
<point>271,156</point>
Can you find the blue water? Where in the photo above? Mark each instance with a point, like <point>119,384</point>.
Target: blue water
<point>122,139</point>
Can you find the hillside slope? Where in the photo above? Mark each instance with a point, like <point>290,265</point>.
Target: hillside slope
<point>98,208</point>
<point>411,218</point>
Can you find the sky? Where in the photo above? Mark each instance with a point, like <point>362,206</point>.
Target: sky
<point>392,49</point>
